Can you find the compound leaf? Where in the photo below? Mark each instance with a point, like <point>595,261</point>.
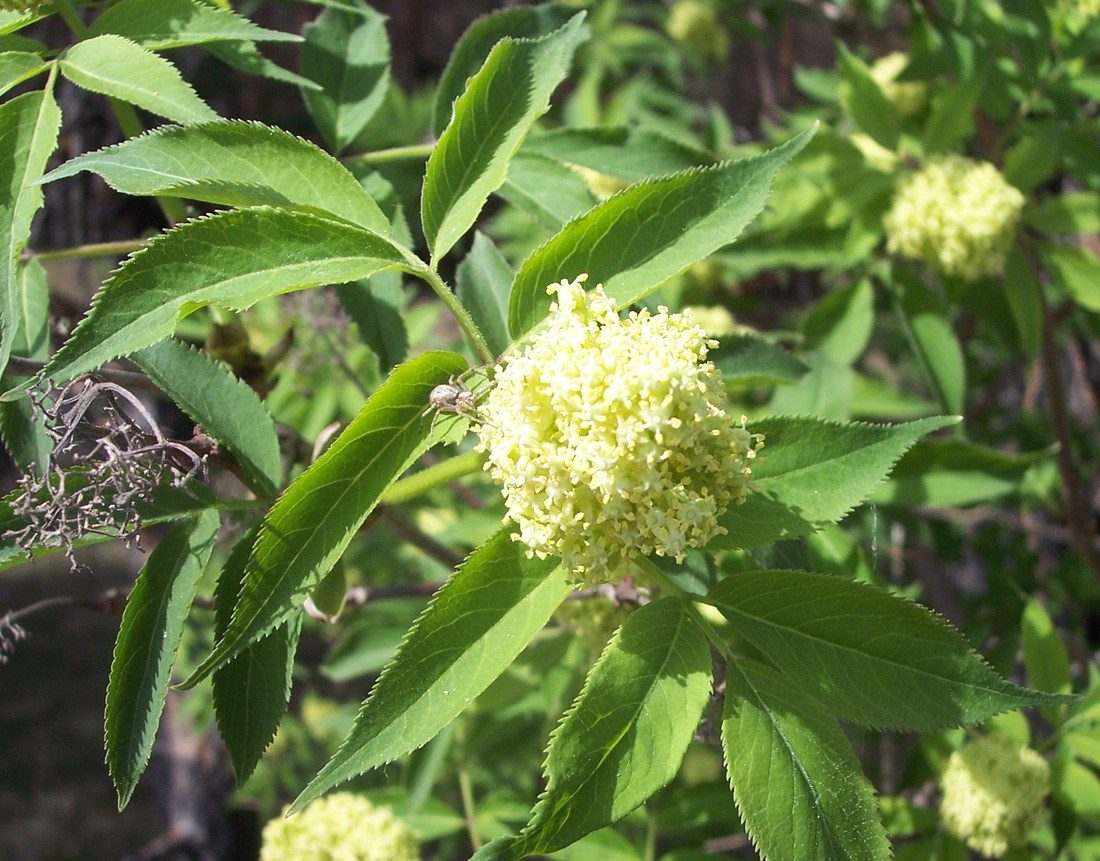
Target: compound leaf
<point>224,406</point>
<point>490,120</point>
<point>626,734</point>
<point>124,70</point>
<point>649,232</point>
<point>234,164</point>
<point>312,523</point>
<point>152,625</point>
<point>475,626</point>
<point>797,783</point>
<point>870,656</point>
<point>233,258</point>
<point>812,472</point>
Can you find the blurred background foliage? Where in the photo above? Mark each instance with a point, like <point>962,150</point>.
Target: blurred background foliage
<point>999,535</point>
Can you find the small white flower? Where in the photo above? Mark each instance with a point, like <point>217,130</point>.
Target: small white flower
<point>608,437</point>
<point>957,214</point>
<point>993,793</point>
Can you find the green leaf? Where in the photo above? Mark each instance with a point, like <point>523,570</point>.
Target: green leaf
<point>1035,156</point>
<point>840,324</point>
<point>173,23</point>
<point>374,304</point>
<point>1022,292</point>
<point>1073,213</point>
<point>474,627</point>
<point>551,191</point>
<point>797,783</point>
<point>1045,656</point>
<point>484,279</point>
<point>521,22</point>
<point>649,232</point>
<point>825,392</point>
<point>17,66</point>
<point>315,519</point>
<point>234,259</point>
<point>746,360</point>
<point>234,164</point>
<point>626,733</point>
<point>224,406</point>
<point>951,116</point>
<point>23,431</point>
<point>864,100</point>
<point>624,152</point>
<point>247,57</point>
<point>950,472</point>
<point>28,134</point>
<point>491,118</point>
<point>13,19</point>
<point>870,656</point>
<point>347,52</point>
<point>152,625</point>
<point>1077,271</point>
<point>932,338</point>
<point>812,472</point>
<point>124,70</point>
<point>252,690</point>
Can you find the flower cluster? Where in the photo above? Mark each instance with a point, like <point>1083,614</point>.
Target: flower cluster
<point>909,97</point>
<point>696,24</point>
<point>340,827</point>
<point>993,792</point>
<point>958,215</point>
<point>608,437</point>
<point>593,620</point>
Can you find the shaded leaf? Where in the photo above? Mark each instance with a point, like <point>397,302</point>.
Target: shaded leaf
<point>252,690</point>
<point>23,431</point>
<point>233,259</point>
<point>1069,214</point>
<point>28,134</point>
<point>551,191</point>
<point>474,627</point>
<point>626,734</point>
<point>484,279</point>
<point>624,152</point>
<point>173,23</point>
<point>1077,271</point>
<point>375,306</point>
<point>840,324</point>
<point>152,625</point>
<point>235,164</point>
<point>864,100</point>
<point>812,472</point>
<point>224,406</point>
<point>746,360</point>
<point>124,70</point>
<point>870,656</point>
<point>649,232</point>
<point>247,57</point>
<point>491,118</point>
<point>1022,292</point>
<point>315,519</point>
<point>347,52</point>
<point>947,472</point>
<point>797,783</point>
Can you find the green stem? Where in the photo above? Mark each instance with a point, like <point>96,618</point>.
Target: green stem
<point>448,298</point>
<point>663,580</point>
<point>399,153</point>
<point>442,473</point>
<point>68,15</point>
<point>97,249</point>
<point>468,809</point>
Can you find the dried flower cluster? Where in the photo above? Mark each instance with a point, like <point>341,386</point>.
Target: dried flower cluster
<point>993,793</point>
<point>98,471</point>
<point>957,215</point>
<point>340,827</point>
<point>608,436</point>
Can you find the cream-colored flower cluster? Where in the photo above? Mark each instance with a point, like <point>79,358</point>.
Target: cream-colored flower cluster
<point>993,793</point>
<point>608,437</point>
<point>957,214</point>
<point>909,97</point>
<point>593,620</point>
<point>340,827</point>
